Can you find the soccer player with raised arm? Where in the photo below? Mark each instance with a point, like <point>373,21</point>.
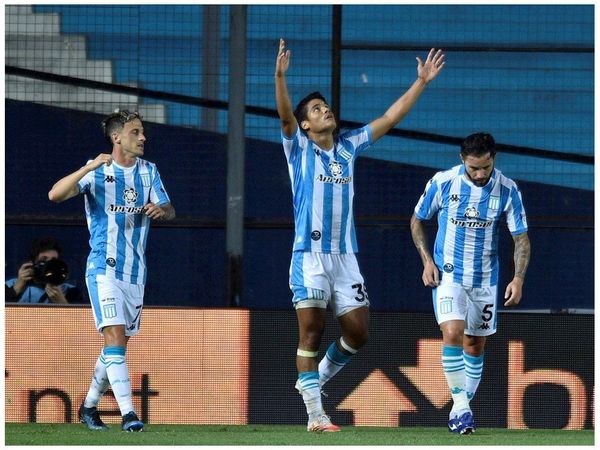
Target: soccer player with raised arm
<point>469,200</point>
<point>324,270</point>
<point>123,194</point>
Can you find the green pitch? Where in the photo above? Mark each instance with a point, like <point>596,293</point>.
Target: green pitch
<point>77,434</point>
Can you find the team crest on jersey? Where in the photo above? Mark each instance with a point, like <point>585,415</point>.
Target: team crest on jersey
<point>494,202</point>
<point>335,168</point>
<point>145,179</point>
<point>471,213</point>
<point>130,195</point>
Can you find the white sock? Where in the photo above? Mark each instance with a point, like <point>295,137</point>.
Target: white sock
<point>118,375</point>
<point>473,371</point>
<point>454,370</point>
<point>334,360</point>
<point>99,384</point>
<point>311,392</point>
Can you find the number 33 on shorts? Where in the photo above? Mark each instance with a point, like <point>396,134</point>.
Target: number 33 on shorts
<point>361,292</point>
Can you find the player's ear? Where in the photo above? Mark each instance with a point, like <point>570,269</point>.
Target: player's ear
<point>304,125</point>
<point>116,138</point>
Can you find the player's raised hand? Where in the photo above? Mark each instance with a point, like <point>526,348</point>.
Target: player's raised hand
<point>102,158</point>
<point>283,60</point>
<point>432,66</point>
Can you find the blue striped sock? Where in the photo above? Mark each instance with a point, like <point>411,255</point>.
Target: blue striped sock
<point>311,392</point>
<point>473,371</point>
<point>332,363</point>
<point>454,370</point>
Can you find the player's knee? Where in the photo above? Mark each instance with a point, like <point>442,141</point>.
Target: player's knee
<point>310,338</point>
<point>453,336</point>
<point>357,339</point>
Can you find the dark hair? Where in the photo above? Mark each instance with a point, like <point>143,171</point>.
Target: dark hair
<point>43,244</point>
<point>116,121</point>
<point>301,111</point>
<point>478,144</point>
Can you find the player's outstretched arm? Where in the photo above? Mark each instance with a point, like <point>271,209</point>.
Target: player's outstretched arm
<point>426,72</point>
<point>284,104</point>
<point>514,290</point>
<point>431,275</point>
<point>66,187</point>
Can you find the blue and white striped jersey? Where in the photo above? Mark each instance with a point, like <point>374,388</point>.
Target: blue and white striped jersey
<point>114,200</point>
<point>323,190</point>
<point>466,244</point>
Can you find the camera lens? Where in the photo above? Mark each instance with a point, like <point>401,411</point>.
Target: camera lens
<point>54,271</point>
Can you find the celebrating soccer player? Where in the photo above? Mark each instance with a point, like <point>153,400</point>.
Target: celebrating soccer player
<point>470,199</point>
<point>324,270</point>
<point>122,193</point>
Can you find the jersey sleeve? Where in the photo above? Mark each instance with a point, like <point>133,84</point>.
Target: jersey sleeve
<point>516,218</point>
<point>158,193</point>
<point>85,183</point>
<point>293,146</point>
<point>357,141</point>
<point>430,201</point>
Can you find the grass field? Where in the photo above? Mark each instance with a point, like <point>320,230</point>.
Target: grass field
<point>77,434</point>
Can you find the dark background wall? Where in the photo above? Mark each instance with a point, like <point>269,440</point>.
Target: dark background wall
<point>186,259</point>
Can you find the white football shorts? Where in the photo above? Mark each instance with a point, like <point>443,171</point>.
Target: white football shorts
<point>115,302</point>
<point>321,279</point>
<point>476,306</point>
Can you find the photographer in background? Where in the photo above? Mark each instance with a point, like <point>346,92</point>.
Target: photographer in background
<point>42,278</point>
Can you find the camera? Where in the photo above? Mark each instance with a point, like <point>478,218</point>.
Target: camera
<point>53,271</point>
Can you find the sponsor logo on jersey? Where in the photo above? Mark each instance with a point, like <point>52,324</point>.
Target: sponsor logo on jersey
<point>327,179</point>
<point>109,179</point>
<point>130,195</point>
<point>336,168</point>
<point>108,300</point>
<point>454,198</point>
<point>125,209</point>
<point>448,268</point>
<point>471,213</point>
<point>111,262</point>
<point>315,235</point>
<point>471,224</point>
<point>484,326</point>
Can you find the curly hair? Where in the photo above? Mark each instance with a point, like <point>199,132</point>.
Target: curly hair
<point>478,144</point>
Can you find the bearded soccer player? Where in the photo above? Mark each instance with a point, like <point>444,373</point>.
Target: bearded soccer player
<point>470,199</point>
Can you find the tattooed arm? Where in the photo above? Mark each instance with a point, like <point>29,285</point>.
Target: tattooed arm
<point>514,290</point>
<point>431,275</point>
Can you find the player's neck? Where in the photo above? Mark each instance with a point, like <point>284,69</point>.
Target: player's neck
<point>323,140</point>
<point>123,159</point>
